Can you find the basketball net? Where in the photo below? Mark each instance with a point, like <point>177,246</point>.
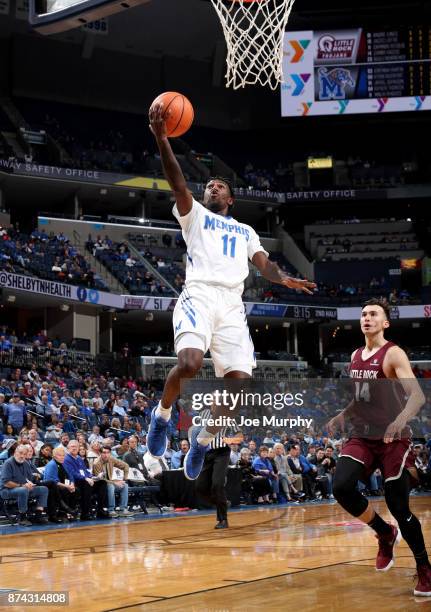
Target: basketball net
<point>254,31</point>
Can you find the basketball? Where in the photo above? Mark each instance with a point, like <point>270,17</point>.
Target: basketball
<point>178,112</point>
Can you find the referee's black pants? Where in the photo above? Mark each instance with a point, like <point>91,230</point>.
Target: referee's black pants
<point>211,484</point>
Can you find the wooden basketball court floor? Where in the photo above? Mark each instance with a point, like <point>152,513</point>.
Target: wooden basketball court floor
<point>309,557</point>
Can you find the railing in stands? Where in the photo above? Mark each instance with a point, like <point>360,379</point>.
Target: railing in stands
<point>24,355</point>
<point>157,368</point>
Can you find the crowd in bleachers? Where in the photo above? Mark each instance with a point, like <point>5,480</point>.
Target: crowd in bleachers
<point>90,416</point>
<point>121,149</point>
<point>47,256</point>
<point>278,178</point>
<point>166,255</point>
<point>54,258</point>
<point>28,350</point>
<point>132,272</point>
<point>331,245</point>
<point>280,175</point>
<point>72,431</point>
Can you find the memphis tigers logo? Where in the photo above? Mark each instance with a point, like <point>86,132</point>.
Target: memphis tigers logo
<point>332,84</point>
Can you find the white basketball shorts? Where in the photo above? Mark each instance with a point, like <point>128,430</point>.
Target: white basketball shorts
<point>217,319</point>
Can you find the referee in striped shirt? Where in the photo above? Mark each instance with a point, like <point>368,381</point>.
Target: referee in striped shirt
<point>211,483</point>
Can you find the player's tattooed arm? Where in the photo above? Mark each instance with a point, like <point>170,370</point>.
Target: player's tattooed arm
<point>272,272</point>
<point>171,167</point>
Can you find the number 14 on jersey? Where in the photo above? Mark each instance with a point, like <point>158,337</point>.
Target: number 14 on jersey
<point>362,391</point>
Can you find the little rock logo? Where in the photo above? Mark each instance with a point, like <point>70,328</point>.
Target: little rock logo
<point>329,47</point>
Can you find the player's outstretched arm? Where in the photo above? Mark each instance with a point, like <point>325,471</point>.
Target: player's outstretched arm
<point>271,271</point>
<point>171,167</point>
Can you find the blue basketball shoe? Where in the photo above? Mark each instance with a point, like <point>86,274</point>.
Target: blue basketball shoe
<point>194,459</point>
<point>157,440</point>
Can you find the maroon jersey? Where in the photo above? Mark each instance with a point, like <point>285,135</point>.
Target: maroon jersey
<point>377,400</point>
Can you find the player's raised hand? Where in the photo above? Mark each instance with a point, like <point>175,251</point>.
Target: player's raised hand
<point>157,121</point>
<point>299,283</point>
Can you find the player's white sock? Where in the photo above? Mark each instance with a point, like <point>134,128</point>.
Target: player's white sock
<point>165,413</point>
<point>205,437</point>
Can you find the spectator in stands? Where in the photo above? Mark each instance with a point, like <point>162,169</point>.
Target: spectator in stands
<point>94,452</point>
<point>263,467</point>
<point>421,464</point>
<point>5,344</point>
<point>16,482</point>
<point>69,425</point>
<point>275,485</point>
<point>83,453</point>
<point>45,455</point>
<point>55,472</point>
<point>322,466</point>
<point>269,438</point>
<point>64,440</point>
<point>95,436</point>
<point>15,412</point>
<point>301,467</point>
<point>104,424</point>
<point>133,457</point>
<point>121,449</point>
<point>234,454</point>
<point>97,401</point>
<point>253,486</point>
<point>285,475</point>
<point>177,459</point>
<point>35,442</point>
<point>83,479</point>
<point>252,449</point>
<point>105,465</point>
<point>54,431</point>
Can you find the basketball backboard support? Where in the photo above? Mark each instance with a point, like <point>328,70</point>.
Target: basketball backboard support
<point>54,16</point>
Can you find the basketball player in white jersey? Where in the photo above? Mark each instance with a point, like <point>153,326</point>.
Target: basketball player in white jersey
<point>209,313</point>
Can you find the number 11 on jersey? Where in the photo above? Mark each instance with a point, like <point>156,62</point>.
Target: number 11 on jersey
<point>232,241</point>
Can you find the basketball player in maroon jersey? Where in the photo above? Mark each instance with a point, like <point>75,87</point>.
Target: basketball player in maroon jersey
<point>379,413</point>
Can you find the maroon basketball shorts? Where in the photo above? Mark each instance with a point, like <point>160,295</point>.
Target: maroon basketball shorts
<point>390,458</point>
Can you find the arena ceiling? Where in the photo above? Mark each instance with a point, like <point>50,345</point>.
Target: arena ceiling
<point>191,29</point>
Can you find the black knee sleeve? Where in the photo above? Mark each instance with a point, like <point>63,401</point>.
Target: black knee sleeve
<point>347,474</point>
<point>397,499</point>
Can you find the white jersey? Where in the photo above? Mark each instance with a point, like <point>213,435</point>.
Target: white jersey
<point>218,247</point>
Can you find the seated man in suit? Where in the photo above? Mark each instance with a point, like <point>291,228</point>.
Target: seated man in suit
<point>105,465</point>
<point>135,459</point>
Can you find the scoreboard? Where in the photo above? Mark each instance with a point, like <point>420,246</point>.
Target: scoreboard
<point>353,71</point>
